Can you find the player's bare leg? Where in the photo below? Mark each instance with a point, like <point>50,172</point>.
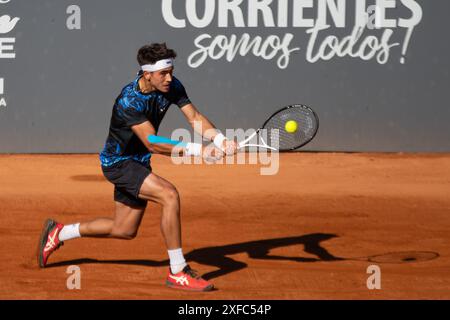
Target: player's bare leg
<point>128,219</point>
<point>161,191</point>
<point>181,276</point>
<point>124,225</point>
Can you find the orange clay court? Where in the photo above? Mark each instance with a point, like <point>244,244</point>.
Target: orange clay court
<point>309,232</point>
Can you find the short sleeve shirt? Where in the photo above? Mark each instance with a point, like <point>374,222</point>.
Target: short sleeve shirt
<point>133,107</point>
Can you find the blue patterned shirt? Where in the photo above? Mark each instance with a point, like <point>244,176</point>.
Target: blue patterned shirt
<point>133,107</point>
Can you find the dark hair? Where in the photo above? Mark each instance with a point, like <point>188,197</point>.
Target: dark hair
<point>150,54</point>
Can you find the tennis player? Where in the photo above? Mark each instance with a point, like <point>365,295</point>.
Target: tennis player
<point>125,161</point>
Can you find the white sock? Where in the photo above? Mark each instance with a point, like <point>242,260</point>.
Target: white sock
<point>177,262</point>
<point>71,231</point>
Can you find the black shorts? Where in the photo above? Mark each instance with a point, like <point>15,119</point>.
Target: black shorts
<point>127,177</point>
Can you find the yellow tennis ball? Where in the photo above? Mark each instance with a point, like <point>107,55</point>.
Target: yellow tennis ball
<point>291,126</point>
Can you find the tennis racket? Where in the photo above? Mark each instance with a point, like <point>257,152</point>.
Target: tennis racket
<point>282,136</point>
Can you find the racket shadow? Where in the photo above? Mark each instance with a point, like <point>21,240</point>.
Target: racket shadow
<point>217,256</point>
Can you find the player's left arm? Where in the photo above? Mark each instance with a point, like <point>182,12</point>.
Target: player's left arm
<point>202,125</point>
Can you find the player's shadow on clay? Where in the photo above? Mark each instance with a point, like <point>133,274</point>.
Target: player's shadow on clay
<point>218,256</point>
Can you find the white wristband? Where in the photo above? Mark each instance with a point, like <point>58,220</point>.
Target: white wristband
<point>193,149</point>
<point>218,140</point>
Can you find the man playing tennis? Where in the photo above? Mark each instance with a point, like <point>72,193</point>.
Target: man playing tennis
<point>125,160</point>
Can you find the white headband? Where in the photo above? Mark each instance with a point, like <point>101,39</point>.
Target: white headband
<point>159,65</point>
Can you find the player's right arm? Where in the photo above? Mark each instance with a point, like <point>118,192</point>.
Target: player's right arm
<point>146,129</point>
<point>134,118</point>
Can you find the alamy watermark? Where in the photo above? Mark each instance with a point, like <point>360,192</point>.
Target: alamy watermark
<point>74,280</point>
<point>374,280</point>
<point>267,158</point>
<point>73,21</point>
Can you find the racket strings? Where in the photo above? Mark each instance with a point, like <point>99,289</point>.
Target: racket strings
<point>306,128</point>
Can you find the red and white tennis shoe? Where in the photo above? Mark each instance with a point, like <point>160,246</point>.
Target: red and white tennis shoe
<point>188,279</point>
<point>49,241</point>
